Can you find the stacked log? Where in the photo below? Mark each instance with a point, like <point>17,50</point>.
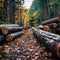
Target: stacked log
<point>9,32</point>
<point>54,25</point>
<point>46,27</point>
<point>49,40</point>
<point>9,25</point>
<point>53,20</point>
<point>13,36</point>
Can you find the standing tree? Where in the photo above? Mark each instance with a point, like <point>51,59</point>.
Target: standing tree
<point>45,8</point>
<point>12,10</point>
<point>1,11</point>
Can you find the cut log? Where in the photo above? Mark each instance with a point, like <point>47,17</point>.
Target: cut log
<point>59,18</point>
<point>58,49</point>
<point>9,25</point>
<point>58,27</point>
<point>53,25</point>
<point>45,27</point>
<point>40,27</point>
<point>53,20</point>
<point>13,36</point>
<point>47,34</point>
<point>49,40</point>
<point>8,30</point>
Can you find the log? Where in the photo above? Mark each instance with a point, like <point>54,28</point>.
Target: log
<point>58,27</point>
<point>45,27</point>
<point>13,36</point>
<point>9,25</point>
<point>53,25</point>
<point>8,30</point>
<point>49,40</point>
<point>40,27</point>
<point>53,20</point>
<point>47,34</point>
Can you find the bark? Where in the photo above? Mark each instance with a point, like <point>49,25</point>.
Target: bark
<point>9,25</point>
<point>45,27</point>
<point>13,36</point>
<point>45,7</point>
<point>8,30</point>
<point>53,20</point>
<point>12,11</point>
<point>49,40</point>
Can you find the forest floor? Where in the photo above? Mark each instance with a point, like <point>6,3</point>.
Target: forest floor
<point>25,47</point>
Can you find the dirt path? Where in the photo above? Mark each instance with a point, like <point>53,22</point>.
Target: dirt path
<point>24,48</point>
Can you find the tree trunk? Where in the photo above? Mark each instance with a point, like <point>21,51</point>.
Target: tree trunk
<point>12,11</point>
<point>45,7</point>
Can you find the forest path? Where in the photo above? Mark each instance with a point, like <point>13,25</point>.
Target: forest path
<point>25,47</point>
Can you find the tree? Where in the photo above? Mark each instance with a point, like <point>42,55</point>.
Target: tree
<point>12,10</point>
<point>1,11</point>
<point>31,21</point>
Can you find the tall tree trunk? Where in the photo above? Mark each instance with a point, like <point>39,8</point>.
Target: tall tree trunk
<point>59,9</point>
<point>12,11</point>
<point>5,10</point>
<point>55,10</point>
<point>45,7</point>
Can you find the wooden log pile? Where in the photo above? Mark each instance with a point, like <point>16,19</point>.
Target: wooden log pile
<point>56,19</point>
<point>9,32</point>
<point>52,25</point>
<point>49,40</point>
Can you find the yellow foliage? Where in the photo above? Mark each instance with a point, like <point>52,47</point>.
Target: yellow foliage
<point>1,3</point>
<point>35,13</point>
<point>22,13</point>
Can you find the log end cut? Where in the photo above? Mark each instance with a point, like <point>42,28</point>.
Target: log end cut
<point>9,38</point>
<point>59,18</point>
<point>5,30</point>
<point>46,28</point>
<point>54,25</point>
<point>58,49</point>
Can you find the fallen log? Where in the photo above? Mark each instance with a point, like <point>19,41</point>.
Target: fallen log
<point>40,27</point>
<point>49,40</point>
<point>46,27</point>
<point>53,25</point>
<point>53,20</point>
<point>13,36</point>
<point>48,34</point>
<point>55,28</point>
<point>8,30</point>
<point>9,25</point>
